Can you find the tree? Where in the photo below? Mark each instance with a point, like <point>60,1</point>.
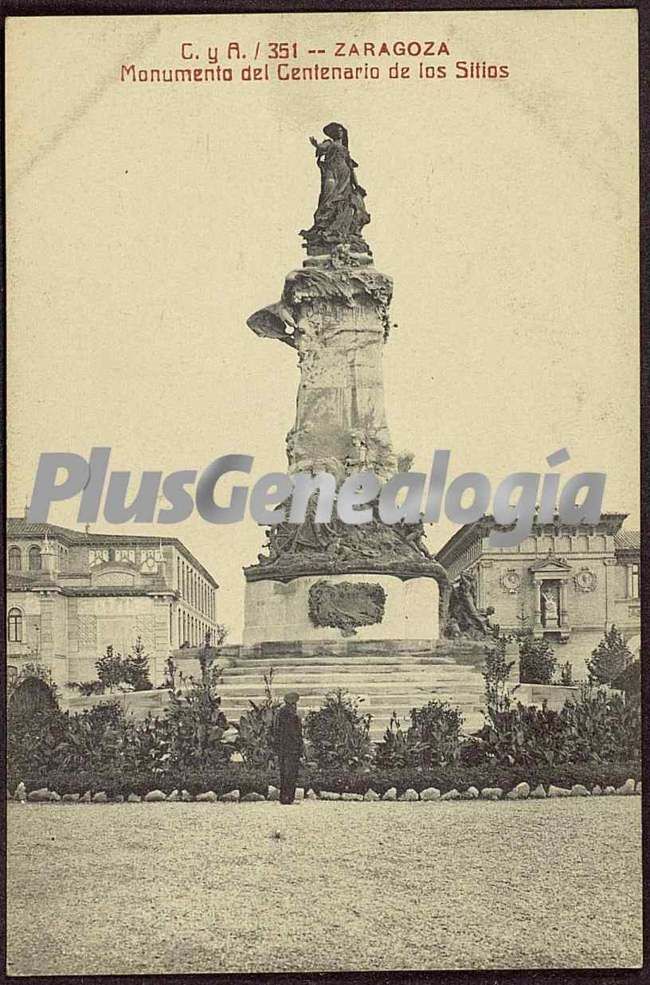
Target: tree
<point>110,668</point>
<point>136,667</point>
<point>537,660</point>
<point>610,658</point>
<point>629,681</point>
<point>209,650</point>
<point>496,672</point>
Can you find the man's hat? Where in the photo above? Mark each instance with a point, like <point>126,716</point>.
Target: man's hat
<point>291,697</point>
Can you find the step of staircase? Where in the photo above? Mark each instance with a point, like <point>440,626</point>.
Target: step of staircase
<point>250,669</point>
<point>326,658</point>
<point>387,684</point>
<point>352,685</point>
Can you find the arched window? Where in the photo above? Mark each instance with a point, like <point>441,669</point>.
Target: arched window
<point>34,558</point>
<point>15,559</point>
<point>180,628</point>
<point>15,626</point>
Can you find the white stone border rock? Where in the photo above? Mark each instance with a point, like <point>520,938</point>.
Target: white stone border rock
<point>521,791</point>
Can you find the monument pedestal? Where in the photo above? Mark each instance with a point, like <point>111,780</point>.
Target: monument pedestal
<point>331,604</point>
<point>275,611</point>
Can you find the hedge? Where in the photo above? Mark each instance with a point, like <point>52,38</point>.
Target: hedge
<point>248,780</point>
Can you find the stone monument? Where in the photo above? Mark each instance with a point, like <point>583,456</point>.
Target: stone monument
<point>328,581</point>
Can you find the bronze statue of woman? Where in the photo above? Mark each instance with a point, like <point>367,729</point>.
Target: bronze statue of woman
<point>341,213</point>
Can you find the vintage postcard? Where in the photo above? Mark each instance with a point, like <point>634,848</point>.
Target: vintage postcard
<point>323,492</point>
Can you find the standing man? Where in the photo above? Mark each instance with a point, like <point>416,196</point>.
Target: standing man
<point>289,746</point>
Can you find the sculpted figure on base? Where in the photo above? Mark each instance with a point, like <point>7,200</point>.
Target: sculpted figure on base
<point>465,618</point>
<point>341,212</point>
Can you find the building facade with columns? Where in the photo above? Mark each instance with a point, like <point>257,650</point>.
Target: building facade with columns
<point>71,594</point>
<point>567,584</point>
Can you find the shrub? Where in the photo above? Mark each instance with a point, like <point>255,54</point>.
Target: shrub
<point>536,660</point>
<point>609,659</point>
<point>246,780</point>
<point>59,740</point>
<point>435,733</point>
<point>433,738</point>
<point>33,740</point>
<point>338,734</point>
<point>596,726</point>
<point>115,672</point>
<point>522,735</point>
<point>394,751</point>
<point>87,688</point>
<point>602,726</point>
<point>257,727</point>
<point>495,674</point>
<point>39,672</point>
<point>92,739</point>
<point>196,724</point>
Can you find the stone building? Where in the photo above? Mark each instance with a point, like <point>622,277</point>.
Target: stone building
<point>72,594</point>
<point>567,584</point>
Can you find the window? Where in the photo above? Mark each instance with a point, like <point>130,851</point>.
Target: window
<point>34,558</point>
<point>15,626</point>
<point>634,581</point>
<point>15,559</point>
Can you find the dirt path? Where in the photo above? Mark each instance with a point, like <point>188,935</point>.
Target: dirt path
<point>153,888</point>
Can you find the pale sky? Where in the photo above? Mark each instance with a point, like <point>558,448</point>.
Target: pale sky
<point>147,222</point>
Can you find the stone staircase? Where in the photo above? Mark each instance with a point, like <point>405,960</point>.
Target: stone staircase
<point>387,682</point>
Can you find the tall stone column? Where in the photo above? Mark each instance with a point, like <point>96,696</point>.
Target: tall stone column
<point>334,312</point>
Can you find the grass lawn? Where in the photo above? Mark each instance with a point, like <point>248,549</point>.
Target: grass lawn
<point>319,886</point>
